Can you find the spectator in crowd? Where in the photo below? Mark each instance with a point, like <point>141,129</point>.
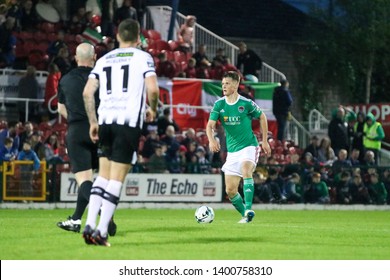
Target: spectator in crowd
<point>377,190</point>
<point>165,120</point>
<point>37,145</point>
<point>63,61</point>
<point>261,192</point>
<point>28,130</point>
<point>326,154</point>
<point>358,131</point>
<point>165,68</point>
<point>27,171</point>
<point>291,167</point>
<point>316,191</point>
<point>172,149</point>
<point>182,158</point>
<point>292,189</point>
<point>7,43</point>
<point>342,163</point>
<point>78,21</point>
<point>275,185</point>
<point>190,70</point>
<point>51,90</point>
<point>386,182</point>
<point>107,18</point>
<point>337,131</point>
<point>28,88</point>
<point>55,46</point>
<point>248,62</point>
<point>6,151</point>
<point>10,130</point>
<point>343,194</point>
<point>312,147</point>
<point>247,91</point>
<point>185,34</point>
<point>191,150</point>
<point>200,55</point>
<point>190,136</point>
<point>220,55</point>
<point>354,157</point>
<point>369,159</point>
<point>203,71</point>
<point>204,163</point>
<point>152,140</point>
<point>124,12</point>
<point>359,192</point>
<point>157,162</point>
<point>281,103</point>
<point>3,13</point>
<point>217,69</point>
<point>193,166</point>
<point>52,146</point>
<point>373,135</point>
<point>29,19</point>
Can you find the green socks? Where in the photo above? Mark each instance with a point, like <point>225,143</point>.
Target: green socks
<point>238,204</point>
<point>249,190</point>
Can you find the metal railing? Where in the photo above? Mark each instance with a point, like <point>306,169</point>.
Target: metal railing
<point>213,42</point>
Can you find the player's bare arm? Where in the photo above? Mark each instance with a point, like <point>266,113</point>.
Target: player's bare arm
<point>264,132</point>
<point>89,103</point>
<point>62,110</point>
<point>153,92</point>
<point>213,144</point>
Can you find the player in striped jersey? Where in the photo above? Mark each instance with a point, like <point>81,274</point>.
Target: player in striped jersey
<point>125,78</point>
<point>235,113</point>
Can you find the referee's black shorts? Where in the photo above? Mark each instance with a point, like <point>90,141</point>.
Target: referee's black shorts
<point>119,143</point>
<point>81,150</point>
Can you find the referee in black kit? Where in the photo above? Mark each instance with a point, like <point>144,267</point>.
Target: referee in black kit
<point>82,151</point>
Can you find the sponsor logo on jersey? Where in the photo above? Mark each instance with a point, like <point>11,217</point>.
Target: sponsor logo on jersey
<point>234,120</point>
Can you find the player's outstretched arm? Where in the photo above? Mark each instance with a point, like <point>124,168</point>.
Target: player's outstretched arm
<point>264,132</point>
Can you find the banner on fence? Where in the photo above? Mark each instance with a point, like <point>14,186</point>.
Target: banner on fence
<point>158,188</point>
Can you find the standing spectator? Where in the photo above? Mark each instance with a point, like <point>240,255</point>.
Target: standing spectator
<point>28,88</point>
<point>200,55</point>
<point>165,120</point>
<point>107,18</point>
<point>242,145</point>
<point>124,12</point>
<point>172,149</point>
<point>122,103</point>
<point>51,90</point>
<point>377,190</point>
<point>7,43</point>
<point>373,135</point>
<point>358,129</point>
<point>316,191</point>
<point>15,11</point>
<point>185,35</point>
<point>30,18</point>
<point>27,171</point>
<point>248,62</point>
<point>337,131</point>
<point>63,61</point>
<point>281,102</point>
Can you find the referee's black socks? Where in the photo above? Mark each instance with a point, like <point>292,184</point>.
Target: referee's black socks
<point>82,199</point>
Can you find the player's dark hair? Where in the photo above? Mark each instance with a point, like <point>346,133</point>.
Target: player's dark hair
<point>233,75</point>
<point>129,30</point>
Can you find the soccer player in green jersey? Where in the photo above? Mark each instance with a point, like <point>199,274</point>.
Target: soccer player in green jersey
<point>235,113</point>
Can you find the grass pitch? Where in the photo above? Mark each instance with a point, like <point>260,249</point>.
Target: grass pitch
<point>161,234</point>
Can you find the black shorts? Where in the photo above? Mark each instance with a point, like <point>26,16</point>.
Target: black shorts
<point>119,143</point>
<point>81,150</point>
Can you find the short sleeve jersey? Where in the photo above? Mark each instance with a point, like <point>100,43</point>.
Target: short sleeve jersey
<point>122,93</point>
<point>237,120</point>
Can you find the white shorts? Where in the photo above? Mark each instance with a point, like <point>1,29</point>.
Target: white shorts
<point>234,160</point>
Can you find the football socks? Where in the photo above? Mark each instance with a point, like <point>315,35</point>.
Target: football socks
<point>248,192</point>
<point>238,204</point>
<point>82,200</point>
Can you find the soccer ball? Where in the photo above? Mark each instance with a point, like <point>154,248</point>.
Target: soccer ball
<point>204,214</point>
